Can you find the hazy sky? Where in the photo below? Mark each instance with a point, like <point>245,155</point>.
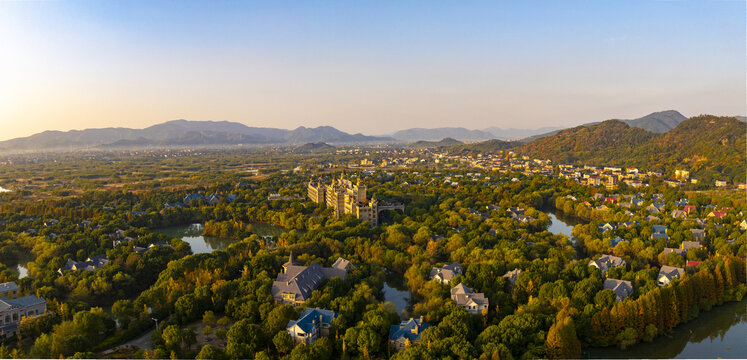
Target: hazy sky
<point>361,66</point>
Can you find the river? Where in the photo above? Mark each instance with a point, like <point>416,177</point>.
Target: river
<point>719,333</point>
<point>192,234</point>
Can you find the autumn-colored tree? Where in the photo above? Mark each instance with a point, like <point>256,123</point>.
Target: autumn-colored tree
<point>562,342</point>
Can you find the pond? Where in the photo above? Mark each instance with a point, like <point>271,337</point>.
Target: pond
<point>192,234</point>
<point>719,333</point>
<point>396,292</point>
<point>562,223</point>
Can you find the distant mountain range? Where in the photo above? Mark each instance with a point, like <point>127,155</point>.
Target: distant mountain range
<point>463,134</point>
<point>183,133</point>
<point>216,133</point>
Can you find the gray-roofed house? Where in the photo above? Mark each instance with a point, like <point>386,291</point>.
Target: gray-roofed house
<point>312,324</point>
<point>698,234</point>
<point>90,264</point>
<point>687,245</point>
<point>343,264</point>
<point>13,310</point>
<point>621,288</point>
<point>296,283</point>
<point>669,273</point>
<point>512,276</point>
<point>445,273</point>
<point>406,331</point>
<point>679,214</point>
<point>471,301</point>
<point>659,232</point>
<point>679,252</point>
<point>606,262</point>
<point>8,290</point>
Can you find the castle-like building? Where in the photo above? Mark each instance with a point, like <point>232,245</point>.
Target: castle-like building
<point>345,197</point>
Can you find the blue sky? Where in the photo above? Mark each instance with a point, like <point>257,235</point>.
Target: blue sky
<point>371,67</point>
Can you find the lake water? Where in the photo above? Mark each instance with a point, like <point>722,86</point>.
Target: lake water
<point>22,271</point>
<point>719,333</point>
<point>562,223</point>
<point>192,234</point>
<point>396,292</point>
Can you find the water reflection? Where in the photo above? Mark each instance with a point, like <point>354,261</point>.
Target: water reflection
<point>719,333</point>
<point>192,234</point>
<point>396,292</point>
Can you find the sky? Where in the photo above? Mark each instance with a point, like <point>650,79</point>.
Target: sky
<point>366,66</point>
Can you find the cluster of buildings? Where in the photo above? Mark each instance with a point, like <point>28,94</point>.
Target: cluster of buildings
<point>346,197</point>
<point>13,308</point>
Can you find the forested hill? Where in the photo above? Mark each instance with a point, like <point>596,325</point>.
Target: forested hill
<point>609,143</point>
<point>485,147</point>
<point>707,145</point>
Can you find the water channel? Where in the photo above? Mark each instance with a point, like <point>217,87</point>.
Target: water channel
<point>719,333</point>
<point>192,234</point>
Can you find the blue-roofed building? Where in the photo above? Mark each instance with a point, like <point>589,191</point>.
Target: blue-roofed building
<point>637,202</point>
<point>615,241</point>
<point>167,206</point>
<point>682,202</point>
<point>406,331</point>
<point>312,324</point>
<point>191,197</point>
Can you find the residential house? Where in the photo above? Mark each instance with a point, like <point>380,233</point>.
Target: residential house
<point>471,301</point>
<point>295,284</point>
<point>679,252</point>
<point>678,214</point>
<point>652,209</point>
<point>621,288</point>
<point>312,324</point>
<point>669,273</point>
<point>213,199</point>
<point>407,332</point>
<point>192,197</point>
<point>12,311</point>
<point>743,225</point>
<point>512,276</point>
<point>698,234</point>
<point>606,262</point>
<point>689,208</point>
<point>446,273</point>
<point>659,232</point>
<point>90,264</point>
<point>8,290</point>
<point>606,227</point>
<point>687,245</point>
<point>716,214</point>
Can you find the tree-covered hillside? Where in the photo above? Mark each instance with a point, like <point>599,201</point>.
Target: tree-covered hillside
<point>709,146</point>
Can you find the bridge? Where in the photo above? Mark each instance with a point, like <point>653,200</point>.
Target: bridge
<point>391,206</point>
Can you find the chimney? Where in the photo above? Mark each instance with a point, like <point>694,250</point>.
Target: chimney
<point>421,319</point>
<point>320,319</point>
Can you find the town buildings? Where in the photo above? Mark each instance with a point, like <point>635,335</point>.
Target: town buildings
<point>345,197</point>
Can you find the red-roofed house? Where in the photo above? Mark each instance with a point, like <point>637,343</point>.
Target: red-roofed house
<point>717,214</point>
<point>689,208</point>
<point>693,264</point>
